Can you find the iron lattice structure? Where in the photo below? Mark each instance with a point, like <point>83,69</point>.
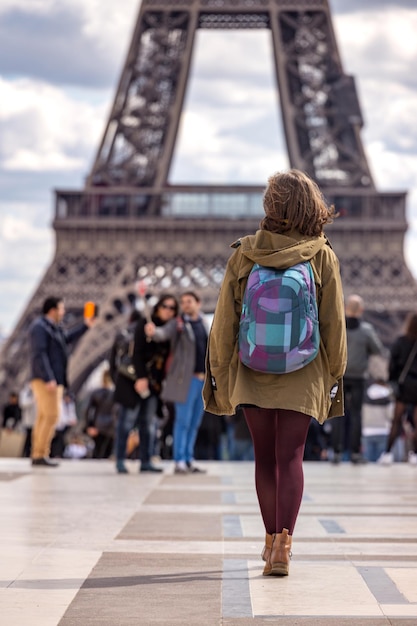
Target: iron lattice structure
<point>130,224</point>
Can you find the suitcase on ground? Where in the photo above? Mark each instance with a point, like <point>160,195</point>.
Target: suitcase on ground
<point>11,442</point>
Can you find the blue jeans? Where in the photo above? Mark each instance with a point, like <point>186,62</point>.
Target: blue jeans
<point>188,416</point>
<point>243,450</point>
<point>374,446</point>
<point>141,416</point>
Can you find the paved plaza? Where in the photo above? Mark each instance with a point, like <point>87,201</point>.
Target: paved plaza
<point>83,545</point>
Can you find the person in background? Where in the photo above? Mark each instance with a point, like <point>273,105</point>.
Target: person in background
<point>278,407</point>
<point>377,410</point>
<point>243,444</point>
<point>403,377</point>
<point>49,358</point>
<point>78,446</point>
<point>28,406</point>
<point>138,399</point>
<point>208,443</point>
<point>12,413</point>
<point>362,342</point>
<point>66,421</point>
<point>316,442</point>
<point>185,378</point>
<point>100,417</point>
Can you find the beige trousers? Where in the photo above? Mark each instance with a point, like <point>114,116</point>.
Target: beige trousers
<point>48,407</point>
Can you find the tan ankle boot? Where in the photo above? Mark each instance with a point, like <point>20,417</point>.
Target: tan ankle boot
<point>266,552</point>
<point>279,561</point>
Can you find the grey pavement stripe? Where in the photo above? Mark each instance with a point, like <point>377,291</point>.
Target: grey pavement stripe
<point>236,600</point>
<point>228,497</point>
<point>382,586</point>
<point>331,526</point>
<point>381,513</point>
<point>232,526</point>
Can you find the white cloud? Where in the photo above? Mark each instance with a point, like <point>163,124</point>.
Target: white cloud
<point>109,23</point>
<point>19,229</point>
<point>381,45</point>
<point>380,50</point>
<point>43,128</point>
<point>25,251</point>
<point>24,226</point>
<point>36,6</point>
<point>231,130</point>
<point>77,42</point>
<point>31,161</point>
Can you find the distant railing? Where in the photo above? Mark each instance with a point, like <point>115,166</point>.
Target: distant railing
<point>211,202</point>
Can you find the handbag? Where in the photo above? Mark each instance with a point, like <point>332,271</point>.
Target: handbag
<point>125,365</point>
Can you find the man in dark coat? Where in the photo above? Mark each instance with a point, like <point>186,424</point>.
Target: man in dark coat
<point>12,413</point>
<point>362,342</point>
<point>49,358</point>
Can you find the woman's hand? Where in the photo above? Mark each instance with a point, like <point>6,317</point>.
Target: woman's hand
<point>142,387</point>
<point>150,329</point>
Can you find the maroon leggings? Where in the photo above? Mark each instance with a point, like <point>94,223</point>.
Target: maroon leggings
<point>279,438</point>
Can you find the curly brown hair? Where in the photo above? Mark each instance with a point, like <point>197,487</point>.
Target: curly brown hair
<point>292,200</point>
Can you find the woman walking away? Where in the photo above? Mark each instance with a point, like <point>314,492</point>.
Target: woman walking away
<point>282,368</point>
<point>403,376</point>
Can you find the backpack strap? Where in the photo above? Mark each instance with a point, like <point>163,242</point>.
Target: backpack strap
<point>328,242</point>
<point>407,365</point>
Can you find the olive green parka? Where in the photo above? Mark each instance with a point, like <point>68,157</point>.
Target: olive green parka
<point>228,382</point>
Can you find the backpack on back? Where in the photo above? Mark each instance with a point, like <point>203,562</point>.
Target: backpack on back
<point>279,327</point>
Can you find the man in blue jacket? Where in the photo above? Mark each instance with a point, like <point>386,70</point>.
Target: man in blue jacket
<point>49,357</point>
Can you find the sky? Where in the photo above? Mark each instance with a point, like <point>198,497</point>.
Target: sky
<point>60,61</point>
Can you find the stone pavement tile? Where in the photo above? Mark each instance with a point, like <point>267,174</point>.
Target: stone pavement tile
<point>14,558</point>
<point>26,607</point>
<point>405,580</point>
<point>126,589</point>
<point>166,496</point>
<point>355,535</point>
<point>193,526</point>
<point>383,525</point>
<point>190,480</point>
<point>312,621</point>
<point>312,589</point>
<point>236,549</point>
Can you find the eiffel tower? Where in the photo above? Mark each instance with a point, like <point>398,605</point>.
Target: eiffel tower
<point>129,224</point>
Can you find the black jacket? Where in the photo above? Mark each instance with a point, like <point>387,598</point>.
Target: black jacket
<point>49,349</point>
<point>149,360</point>
<point>12,413</point>
<point>400,352</point>
<point>100,411</point>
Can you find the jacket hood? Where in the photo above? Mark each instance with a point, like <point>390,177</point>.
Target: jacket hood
<point>280,251</point>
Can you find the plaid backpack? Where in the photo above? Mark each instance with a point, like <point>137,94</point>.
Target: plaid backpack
<point>279,328</point>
